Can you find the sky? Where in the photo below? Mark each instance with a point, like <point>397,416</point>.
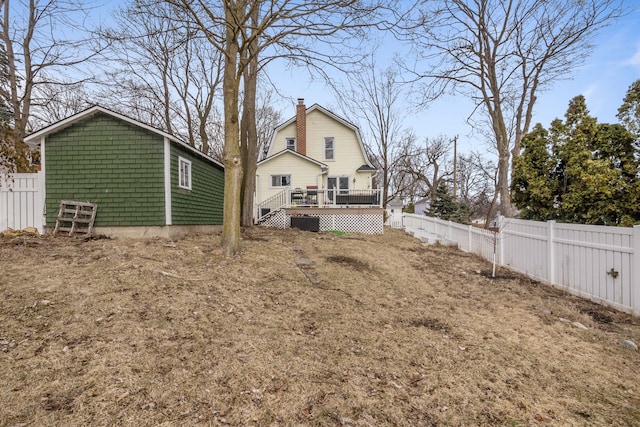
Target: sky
<point>603,79</point>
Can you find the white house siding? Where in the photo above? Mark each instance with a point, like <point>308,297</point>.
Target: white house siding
<point>280,142</point>
<point>347,153</point>
<point>303,173</point>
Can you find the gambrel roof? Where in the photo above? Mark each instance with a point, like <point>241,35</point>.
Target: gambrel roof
<point>318,107</point>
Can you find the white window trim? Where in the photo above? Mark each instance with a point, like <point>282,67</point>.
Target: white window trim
<point>324,148</point>
<point>337,188</point>
<point>295,144</point>
<point>181,184</point>
<point>167,182</point>
<point>280,175</point>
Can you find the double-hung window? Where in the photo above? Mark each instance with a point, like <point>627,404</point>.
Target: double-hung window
<point>280,180</point>
<point>291,144</point>
<point>329,148</point>
<point>184,173</point>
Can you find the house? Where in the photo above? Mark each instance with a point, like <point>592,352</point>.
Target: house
<point>316,166</point>
<point>394,213</point>
<point>146,182</point>
<point>422,206</point>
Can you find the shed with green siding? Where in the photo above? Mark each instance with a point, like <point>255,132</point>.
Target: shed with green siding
<point>146,182</point>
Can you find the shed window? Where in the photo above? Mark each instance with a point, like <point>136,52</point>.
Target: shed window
<point>329,149</point>
<point>184,168</point>
<point>280,180</point>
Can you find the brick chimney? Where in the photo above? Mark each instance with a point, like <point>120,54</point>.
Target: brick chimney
<point>301,127</point>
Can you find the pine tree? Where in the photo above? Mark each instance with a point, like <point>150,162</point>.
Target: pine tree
<point>6,112</point>
<point>629,111</point>
<point>533,186</point>
<point>579,171</point>
<point>446,207</point>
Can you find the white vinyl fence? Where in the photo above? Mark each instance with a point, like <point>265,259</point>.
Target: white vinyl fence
<point>21,201</point>
<point>596,262</point>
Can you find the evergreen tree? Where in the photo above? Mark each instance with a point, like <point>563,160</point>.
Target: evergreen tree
<point>616,147</point>
<point>629,111</point>
<point>446,207</point>
<point>576,167</point>
<point>7,135</point>
<point>533,187</point>
<point>6,112</point>
<point>579,171</point>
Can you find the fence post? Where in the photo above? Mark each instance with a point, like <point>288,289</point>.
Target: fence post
<point>551,260</point>
<point>40,212</point>
<point>635,274</point>
<point>500,239</point>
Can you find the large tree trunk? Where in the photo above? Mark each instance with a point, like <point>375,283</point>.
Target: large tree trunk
<point>250,143</point>
<point>504,155</point>
<point>249,131</point>
<point>232,159</point>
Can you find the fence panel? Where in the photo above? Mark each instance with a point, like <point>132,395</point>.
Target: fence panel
<point>524,247</point>
<point>484,243</point>
<point>21,201</point>
<point>597,262</point>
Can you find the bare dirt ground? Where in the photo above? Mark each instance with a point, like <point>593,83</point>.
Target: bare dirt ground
<point>309,329</point>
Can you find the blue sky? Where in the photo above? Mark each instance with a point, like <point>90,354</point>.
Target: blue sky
<point>603,79</point>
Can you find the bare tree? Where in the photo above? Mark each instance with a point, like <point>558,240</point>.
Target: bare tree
<point>373,98</point>
<point>132,97</point>
<point>501,53</point>
<point>476,183</point>
<point>242,30</point>
<point>169,77</point>
<point>39,52</point>
<point>267,118</point>
<point>429,165</point>
<point>248,129</point>
<point>60,102</point>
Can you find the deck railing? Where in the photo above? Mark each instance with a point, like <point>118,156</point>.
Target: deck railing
<point>272,204</point>
<point>323,198</point>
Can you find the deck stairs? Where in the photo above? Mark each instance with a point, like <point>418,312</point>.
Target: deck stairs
<point>271,206</point>
<point>429,238</point>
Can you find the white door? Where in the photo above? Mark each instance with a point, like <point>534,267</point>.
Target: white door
<point>340,183</point>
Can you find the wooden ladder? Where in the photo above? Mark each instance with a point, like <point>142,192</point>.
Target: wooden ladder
<point>75,217</point>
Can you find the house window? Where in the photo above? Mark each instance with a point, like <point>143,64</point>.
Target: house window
<point>291,144</point>
<point>280,180</point>
<point>184,173</point>
<point>329,149</point>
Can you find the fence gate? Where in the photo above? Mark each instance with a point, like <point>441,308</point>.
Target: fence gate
<point>22,201</point>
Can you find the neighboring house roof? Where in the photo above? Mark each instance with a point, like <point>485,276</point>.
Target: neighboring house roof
<point>395,203</point>
<point>96,109</point>
<point>293,153</point>
<point>333,116</point>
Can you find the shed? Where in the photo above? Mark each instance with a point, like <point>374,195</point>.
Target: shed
<point>145,181</point>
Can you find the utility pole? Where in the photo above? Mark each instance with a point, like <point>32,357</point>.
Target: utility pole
<point>455,167</point>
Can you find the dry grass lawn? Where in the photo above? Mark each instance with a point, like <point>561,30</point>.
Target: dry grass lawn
<point>306,329</point>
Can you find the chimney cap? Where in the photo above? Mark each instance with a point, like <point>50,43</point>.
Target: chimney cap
<point>300,100</point>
